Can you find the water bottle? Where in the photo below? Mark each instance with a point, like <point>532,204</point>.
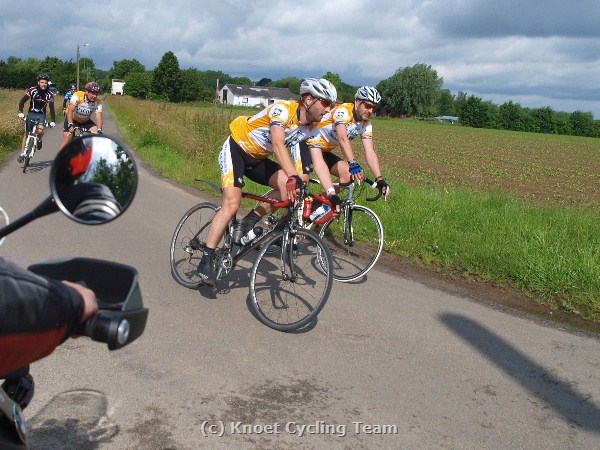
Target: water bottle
<point>251,235</point>
<point>320,212</point>
<point>307,207</point>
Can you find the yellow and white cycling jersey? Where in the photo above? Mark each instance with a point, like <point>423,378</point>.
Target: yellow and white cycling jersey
<point>252,132</point>
<point>83,107</point>
<point>325,136</point>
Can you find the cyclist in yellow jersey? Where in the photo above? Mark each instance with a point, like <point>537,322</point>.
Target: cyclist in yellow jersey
<point>79,112</point>
<point>246,152</point>
<point>344,123</point>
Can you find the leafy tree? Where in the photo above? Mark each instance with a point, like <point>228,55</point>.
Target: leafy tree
<point>245,81</point>
<point>120,69</point>
<point>119,177</point>
<point>292,83</point>
<point>193,87</point>
<point>511,117</point>
<point>414,90</point>
<point>138,84</point>
<point>446,103</point>
<point>166,82</point>
<point>543,120</point>
<point>581,123</point>
<point>475,112</point>
<point>264,82</point>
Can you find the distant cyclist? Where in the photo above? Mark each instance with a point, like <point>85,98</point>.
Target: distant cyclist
<point>39,97</point>
<point>344,123</point>
<point>68,95</point>
<point>80,108</point>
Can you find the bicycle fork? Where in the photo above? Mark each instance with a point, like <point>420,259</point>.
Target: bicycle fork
<point>286,261</point>
<point>348,229</point>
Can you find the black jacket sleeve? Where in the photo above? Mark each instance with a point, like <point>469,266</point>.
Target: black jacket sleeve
<point>36,315</point>
<point>22,102</point>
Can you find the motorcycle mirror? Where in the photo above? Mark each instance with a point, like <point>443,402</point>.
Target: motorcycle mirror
<point>93,179</point>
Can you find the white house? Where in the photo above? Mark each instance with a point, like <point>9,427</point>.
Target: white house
<point>240,95</point>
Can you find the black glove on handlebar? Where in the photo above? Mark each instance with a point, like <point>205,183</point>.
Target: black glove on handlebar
<point>335,200</point>
<point>382,185</point>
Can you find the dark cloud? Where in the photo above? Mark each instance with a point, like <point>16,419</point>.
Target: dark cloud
<point>545,52</point>
<point>489,18</point>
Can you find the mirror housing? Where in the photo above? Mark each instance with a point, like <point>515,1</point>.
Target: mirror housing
<point>93,179</point>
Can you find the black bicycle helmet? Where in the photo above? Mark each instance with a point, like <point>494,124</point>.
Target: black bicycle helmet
<point>43,76</point>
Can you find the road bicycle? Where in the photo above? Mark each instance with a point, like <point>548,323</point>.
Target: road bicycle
<point>288,287</point>
<point>355,238</point>
<point>32,142</point>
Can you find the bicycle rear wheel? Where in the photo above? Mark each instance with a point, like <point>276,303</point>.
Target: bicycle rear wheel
<point>187,244</point>
<point>28,153</point>
<point>350,240</point>
<point>289,288</point>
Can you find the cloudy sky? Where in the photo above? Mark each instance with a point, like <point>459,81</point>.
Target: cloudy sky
<point>533,52</point>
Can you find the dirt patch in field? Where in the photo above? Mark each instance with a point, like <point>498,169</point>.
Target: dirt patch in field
<point>505,297</point>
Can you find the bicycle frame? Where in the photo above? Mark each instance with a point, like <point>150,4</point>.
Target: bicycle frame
<point>281,224</point>
<point>31,143</point>
<point>347,202</point>
<point>36,130</point>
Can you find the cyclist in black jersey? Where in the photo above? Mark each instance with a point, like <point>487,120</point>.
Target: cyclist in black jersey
<point>39,97</point>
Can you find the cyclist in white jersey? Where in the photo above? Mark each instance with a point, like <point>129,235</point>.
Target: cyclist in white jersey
<point>246,152</point>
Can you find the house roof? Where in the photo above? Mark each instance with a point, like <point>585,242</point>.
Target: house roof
<point>261,91</point>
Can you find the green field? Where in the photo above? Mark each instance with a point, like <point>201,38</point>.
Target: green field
<point>515,209</point>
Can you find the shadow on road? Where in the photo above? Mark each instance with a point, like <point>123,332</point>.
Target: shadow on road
<point>539,381</point>
<point>72,420</point>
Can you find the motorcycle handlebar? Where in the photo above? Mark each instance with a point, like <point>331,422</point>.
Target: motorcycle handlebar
<point>121,317</point>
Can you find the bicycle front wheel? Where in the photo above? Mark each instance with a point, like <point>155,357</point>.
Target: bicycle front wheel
<point>28,153</point>
<point>187,244</point>
<point>289,288</point>
<point>355,241</point>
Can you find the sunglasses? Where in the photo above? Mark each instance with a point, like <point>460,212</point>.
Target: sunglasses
<point>324,103</point>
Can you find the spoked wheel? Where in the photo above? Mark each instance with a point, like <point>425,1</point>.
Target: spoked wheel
<point>28,153</point>
<point>289,288</point>
<point>351,241</point>
<point>187,244</point>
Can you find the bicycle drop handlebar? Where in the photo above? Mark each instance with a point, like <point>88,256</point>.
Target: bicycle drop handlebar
<point>372,184</point>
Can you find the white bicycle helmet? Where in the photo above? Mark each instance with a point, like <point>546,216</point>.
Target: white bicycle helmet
<point>319,88</point>
<point>368,93</point>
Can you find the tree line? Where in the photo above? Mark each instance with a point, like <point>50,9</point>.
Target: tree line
<point>415,91</point>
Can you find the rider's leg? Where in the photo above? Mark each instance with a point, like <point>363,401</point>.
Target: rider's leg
<point>40,136</point>
<point>23,142</point>
<point>230,203</point>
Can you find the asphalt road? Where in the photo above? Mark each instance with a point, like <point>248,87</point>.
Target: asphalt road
<point>391,363</point>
